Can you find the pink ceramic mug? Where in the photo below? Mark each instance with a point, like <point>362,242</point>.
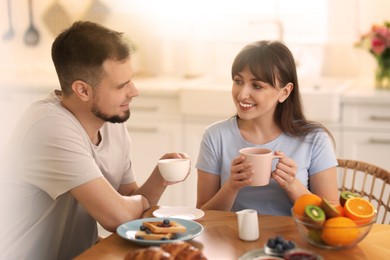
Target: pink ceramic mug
<point>261,159</point>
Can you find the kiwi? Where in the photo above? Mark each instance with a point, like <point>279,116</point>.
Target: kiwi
<point>345,195</point>
<point>330,210</point>
<point>315,215</point>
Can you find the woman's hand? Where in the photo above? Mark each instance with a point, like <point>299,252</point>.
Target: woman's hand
<point>240,173</point>
<point>285,172</point>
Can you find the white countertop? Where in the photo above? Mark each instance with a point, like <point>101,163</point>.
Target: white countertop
<point>46,80</point>
<point>367,96</point>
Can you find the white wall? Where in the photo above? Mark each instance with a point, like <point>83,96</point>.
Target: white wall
<point>184,38</point>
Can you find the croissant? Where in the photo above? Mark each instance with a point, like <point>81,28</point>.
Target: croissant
<point>171,251</point>
<point>175,248</point>
<point>150,253</point>
<point>183,251</point>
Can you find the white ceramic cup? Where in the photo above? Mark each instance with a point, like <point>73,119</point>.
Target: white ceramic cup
<point>248,224</point>
<point>174,170</point>
<point>261,159</point>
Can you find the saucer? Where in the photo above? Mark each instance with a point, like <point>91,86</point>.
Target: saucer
<point>188,213</point>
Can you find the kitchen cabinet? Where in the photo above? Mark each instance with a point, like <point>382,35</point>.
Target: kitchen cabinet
<point>366,128</point>
<point>157,126</point>
<point>335,129</point>
<point>193,132</point>
<point>171,115</point>
<point>155,129</point>
<point>12,105</point>
<point>200,106</point>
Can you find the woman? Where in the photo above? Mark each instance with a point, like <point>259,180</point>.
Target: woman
<point>269,114</point>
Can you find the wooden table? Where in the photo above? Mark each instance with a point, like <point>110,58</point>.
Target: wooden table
<point>219,240</point>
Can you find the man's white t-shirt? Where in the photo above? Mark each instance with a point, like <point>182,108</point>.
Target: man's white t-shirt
<point>52,154</point>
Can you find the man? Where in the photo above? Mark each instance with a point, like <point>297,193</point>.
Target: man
<point>70,155</point>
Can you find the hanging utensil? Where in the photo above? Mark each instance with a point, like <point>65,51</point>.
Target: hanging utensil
<point>97,12</point>
<point>56,18</point>
<point>31,37</point>
<point>10,33</point>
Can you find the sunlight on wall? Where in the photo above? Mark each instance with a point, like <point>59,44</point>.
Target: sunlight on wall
<point>205,35</point>
<point>302,20</point>
<point>193,8</point>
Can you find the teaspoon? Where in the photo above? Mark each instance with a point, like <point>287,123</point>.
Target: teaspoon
<point>31,37</point>
<point>10,33</point>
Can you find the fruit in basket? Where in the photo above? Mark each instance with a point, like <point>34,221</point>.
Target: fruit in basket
<point>315,215</point>
<point>344,227</point>
<point>340,210</point>
<point>303,201</point>
<point>345,195</point>
<point>330,210</point>
<point>339,231</point>
<point>359,209</point>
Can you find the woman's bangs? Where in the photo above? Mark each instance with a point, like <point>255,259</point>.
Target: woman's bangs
<point>261,69</point>
<point>258,62</point>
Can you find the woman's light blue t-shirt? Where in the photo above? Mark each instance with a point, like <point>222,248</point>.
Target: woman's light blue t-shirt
<point>222,141</point>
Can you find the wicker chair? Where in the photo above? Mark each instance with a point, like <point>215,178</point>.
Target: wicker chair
<point>369,181</point>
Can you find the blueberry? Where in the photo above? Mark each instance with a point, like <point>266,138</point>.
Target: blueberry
<point>164,238</point>
<point>284,245</point>
<point>271,243</point>
<point>279,239</point>
<point>138,237</point>
<point>142,228</point>
<point>290,245</point>
<point>166,221</point>
<point>279,244</point>
<point>148,231</point>
<point>279,247</point>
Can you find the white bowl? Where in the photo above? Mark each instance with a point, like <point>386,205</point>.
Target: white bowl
<point>174,169</point>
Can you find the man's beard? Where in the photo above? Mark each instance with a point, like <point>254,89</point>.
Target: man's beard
<point>112,119</point>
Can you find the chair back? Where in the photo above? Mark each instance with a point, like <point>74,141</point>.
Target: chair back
<point>370,181</point>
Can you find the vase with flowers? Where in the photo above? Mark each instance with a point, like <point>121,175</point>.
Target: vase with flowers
<point>377,42</point>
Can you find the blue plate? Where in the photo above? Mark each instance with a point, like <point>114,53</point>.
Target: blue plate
<point>127,231</point>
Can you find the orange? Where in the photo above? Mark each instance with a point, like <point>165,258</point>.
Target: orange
<point>340,209</point>
<point>340,231</point>
<point>359,209</point>
<point>303,201</point>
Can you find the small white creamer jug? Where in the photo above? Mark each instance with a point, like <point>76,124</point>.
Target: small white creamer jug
<point>248,224</point>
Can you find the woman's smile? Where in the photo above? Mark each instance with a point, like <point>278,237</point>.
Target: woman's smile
<point>246,106</point>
